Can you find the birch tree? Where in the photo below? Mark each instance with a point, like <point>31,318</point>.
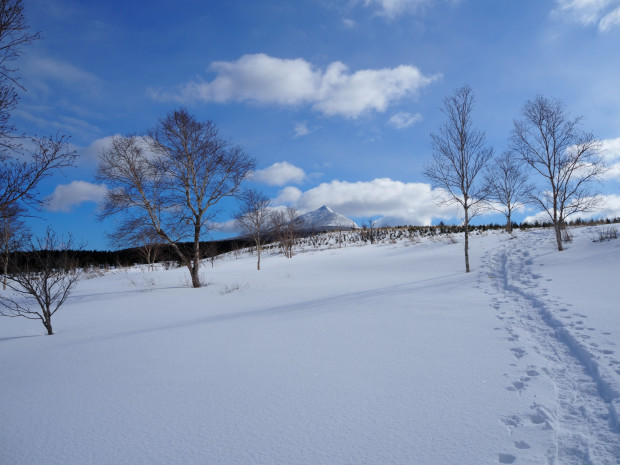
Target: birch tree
<point>169,180</point>
<point>565,158</point>
<point>459,156</point>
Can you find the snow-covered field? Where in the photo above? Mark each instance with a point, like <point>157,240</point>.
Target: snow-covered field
<point>382,354</point>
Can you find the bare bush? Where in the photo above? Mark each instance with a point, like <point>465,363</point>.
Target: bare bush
<point>41,281</point>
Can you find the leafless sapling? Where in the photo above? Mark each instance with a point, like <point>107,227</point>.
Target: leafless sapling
<point>41,280</point>
<point>507,184</point>
<point>254,219</point>
<point>285,227</point>
<point>459,156</point>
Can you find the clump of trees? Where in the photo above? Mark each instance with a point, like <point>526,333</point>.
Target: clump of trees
<point>551,163</point>
<point>566,158</point>
<point>168,181</point>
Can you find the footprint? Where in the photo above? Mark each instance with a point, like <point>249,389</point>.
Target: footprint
<point>518,352</point>
<point>512,420</point>
<point>507,458</point>
<point>532,373</point>
<point>522,445</point>
<point>608,352</point>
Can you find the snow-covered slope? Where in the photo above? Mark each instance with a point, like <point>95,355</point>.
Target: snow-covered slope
<point>383,354</point>
<point>324,219</point>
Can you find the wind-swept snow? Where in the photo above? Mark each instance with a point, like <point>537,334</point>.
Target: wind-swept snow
<point>385,354</point>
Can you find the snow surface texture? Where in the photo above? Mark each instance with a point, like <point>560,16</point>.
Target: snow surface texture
<point>383,354</point>
<point>324,219</point>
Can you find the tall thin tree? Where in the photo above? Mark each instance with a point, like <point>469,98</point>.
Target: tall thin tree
<point>459,156</point>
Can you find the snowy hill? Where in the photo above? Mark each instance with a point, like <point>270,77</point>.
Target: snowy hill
<point>324,219</point>
<point>377,354</point>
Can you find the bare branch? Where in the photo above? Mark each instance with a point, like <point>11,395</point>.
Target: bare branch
<point>169,181</point>
<point>568,160</point>
<point>459,155</point>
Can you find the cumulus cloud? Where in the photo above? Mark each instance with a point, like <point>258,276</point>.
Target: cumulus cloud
<point>397,203</point>
<point>263,79</point>
<point>67,196</point>
<point>279,174</point>
<point>404,120</point>
<point>91,152</point>
<point>605,14</point>
<point>611,153</point>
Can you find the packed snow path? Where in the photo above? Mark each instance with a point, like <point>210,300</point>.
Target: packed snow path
<point>577,422</point>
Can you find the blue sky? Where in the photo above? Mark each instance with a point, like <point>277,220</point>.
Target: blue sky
<point>335,99</point>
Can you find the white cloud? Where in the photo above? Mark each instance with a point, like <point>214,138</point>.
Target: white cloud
<point>301,129</point>
<point>289,194</point>
<point>349,23</point>
<point>393,8</point>
<point>603,13</point>
<point>279,174</point>
<point>404,120</point>
<point>396,202</point>
<point>610,20</point>
<point>611,153</point>
<point>262,79</point>
<point>67,196</point>
<point>91,152</point>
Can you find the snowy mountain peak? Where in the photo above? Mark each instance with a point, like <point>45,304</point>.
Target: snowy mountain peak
<point>324,218</point>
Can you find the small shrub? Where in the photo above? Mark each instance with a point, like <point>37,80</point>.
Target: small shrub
<point>606,234</point>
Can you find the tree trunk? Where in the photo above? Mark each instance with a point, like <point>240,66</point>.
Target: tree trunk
<point>508,223</point>
<point>466,240</point>
<point>48,325</point>
<point>258,261</point>
<point>194,272</point>
<point>557,226</point>
<point>195,265</point>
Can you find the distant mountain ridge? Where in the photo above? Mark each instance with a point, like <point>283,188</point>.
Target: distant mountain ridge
<point>324,219</point>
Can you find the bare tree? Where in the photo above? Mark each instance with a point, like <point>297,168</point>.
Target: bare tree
<point>13,36</point>
<point>20,175</point>
<point>507,185</point>
<point>14,235</point>
<point>459,156</point>
<point>567,158</point>
<point>254,219</point>
<point>24,162</point>
<point>41,281</point>
<point>284,223</point>
<point>169,181</point>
